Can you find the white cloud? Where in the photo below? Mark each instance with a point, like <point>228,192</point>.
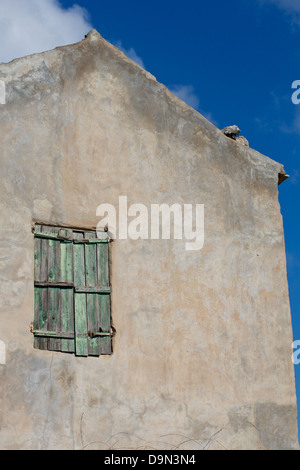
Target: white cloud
<point>294,177</point>
<point>292,260</point>
<point>187,94</point>
<point>291,7</point>
<point>31,26</point>
<point>130,53</point>
<point>296,124</point>
<point>288,5</point>
<point>208,115</point>
<point>292,127</point>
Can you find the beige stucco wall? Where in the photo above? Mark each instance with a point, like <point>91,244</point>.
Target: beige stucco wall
<point>202,354</point>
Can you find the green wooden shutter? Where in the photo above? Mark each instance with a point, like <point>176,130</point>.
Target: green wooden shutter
<point>92,296</point>
<point>72,292</point>
<point>104,299</point>
<point>54,319</point>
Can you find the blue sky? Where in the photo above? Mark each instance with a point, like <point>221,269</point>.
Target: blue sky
<point>234,61</point>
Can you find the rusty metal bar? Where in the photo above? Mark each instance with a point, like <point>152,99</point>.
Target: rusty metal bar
<point>53,334</point>
<point>53,284</point>
<point>59,335</point>
<point>53,236</point>
<point>92,290</point>
<point>89,241</point>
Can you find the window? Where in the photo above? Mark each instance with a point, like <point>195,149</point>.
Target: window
<point>71,291</point>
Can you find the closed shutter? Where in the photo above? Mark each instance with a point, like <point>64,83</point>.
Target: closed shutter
<point>92,299</point>
<point>72,292</point>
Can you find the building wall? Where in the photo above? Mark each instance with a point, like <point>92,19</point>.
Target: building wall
<point>202,353</point>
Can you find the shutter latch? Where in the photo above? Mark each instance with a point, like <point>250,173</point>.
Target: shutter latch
<point>93,334</point>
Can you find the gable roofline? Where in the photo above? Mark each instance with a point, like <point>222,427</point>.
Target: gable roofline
<point>93,37</point>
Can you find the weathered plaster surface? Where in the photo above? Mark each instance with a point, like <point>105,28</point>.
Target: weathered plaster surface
<point>202,354</point>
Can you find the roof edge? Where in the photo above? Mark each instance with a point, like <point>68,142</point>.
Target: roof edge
<point>93,37</point>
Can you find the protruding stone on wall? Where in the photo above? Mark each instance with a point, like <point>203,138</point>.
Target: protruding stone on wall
<point>243,141</point>
<point>231,131</point>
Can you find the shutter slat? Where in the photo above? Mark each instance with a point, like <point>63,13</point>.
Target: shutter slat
<point>54,275</point>
<point>81,343</point>
<point>93,323</point>
<point>90,262</point>
<point>103,265</point>
<point>67,319</point>
<point>66,258</point>
<point>41,295</point>
<point>92,299</point>
<point>105,324</point>
<point>41,259</point>
<point>104,300</point>
<point>54,317</point>
<point>54,269</point>
<point>40,316</point>
<point>79,264</point>
<point>67,296</point>
<point>37,257</point>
